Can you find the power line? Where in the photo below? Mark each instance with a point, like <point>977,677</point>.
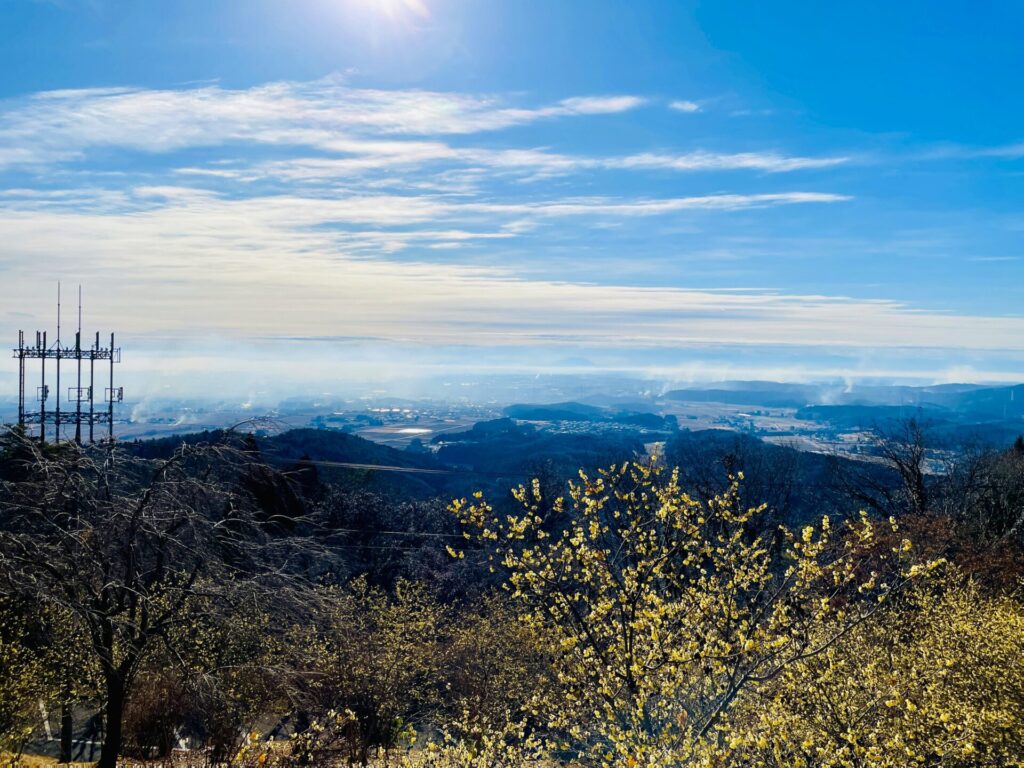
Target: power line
<point>396,533</point>
<point>395,468</point>
<point>379,467</point>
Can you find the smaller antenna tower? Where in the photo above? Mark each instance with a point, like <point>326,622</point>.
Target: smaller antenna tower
<point>85,412</point>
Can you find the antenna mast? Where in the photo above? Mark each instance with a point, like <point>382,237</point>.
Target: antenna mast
<point>78,394</point>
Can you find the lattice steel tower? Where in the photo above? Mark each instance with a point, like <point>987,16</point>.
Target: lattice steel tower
<point>84,410</point>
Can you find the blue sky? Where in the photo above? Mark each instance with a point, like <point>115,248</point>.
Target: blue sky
<point>687,190</point>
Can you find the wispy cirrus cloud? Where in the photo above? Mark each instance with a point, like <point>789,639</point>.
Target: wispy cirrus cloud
<point>535,163</point>
<point>655,207</point>
<point>390,210</point>
<point>357,127</point>
<point>684,105</point>
<point>325,114</point>
<point>1011,151</point>
<point>771,162</point>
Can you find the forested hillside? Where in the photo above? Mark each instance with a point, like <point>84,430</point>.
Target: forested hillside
<point>302,599</point>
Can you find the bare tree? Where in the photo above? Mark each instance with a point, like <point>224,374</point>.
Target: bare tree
<point>125,546</point>
<point>772,475</point>
<point>983,493</point>
<point>894,480</point>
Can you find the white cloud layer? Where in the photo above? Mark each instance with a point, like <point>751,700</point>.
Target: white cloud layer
<point>178,261</point>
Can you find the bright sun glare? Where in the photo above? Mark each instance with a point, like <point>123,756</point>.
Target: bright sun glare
<point>397,8</point>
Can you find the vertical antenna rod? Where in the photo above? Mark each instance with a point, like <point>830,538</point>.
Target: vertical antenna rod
<point>21,379</point>
<point>110,404</point>
<point>92,383</point>
<point>56,421</point>
<point>42,393</point>
<point>78,359</point>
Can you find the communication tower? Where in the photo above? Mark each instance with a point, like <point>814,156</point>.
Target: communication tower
<point>80,406</point>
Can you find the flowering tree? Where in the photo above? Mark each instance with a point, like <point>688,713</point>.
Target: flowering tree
<point>664,610</point>
<point>939,682</point>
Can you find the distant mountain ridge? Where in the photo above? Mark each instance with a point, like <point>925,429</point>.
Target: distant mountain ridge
<point>298,448</point>
<point>998,402</point>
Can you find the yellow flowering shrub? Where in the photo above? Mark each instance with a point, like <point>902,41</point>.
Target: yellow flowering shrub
<point>366,672</point>
<point>226,669</point>
<point>939,681</point>
<point>22,680</point>
<point>662,610</point>
<point>495,667</point>
<point>43,663</point>
<point>503,744</point>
